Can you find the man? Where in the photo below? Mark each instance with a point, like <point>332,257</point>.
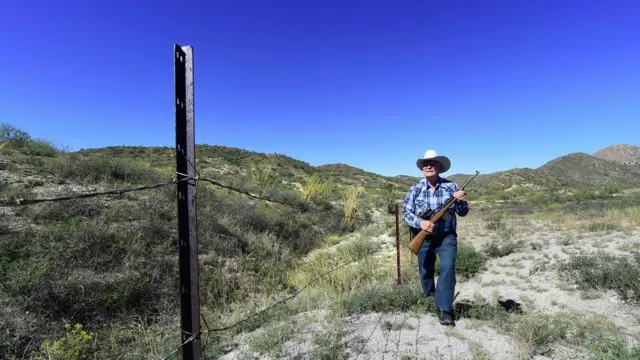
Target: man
<point>430,193</point>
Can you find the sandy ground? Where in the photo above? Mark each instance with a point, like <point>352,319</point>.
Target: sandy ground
<point>527,276</point>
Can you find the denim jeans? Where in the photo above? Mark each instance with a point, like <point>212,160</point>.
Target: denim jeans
<point>446,247</point>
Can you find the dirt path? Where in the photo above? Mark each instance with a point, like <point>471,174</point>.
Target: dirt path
<point>528,275</point>
<point>404,336</point>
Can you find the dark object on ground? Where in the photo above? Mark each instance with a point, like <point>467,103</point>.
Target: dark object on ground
<point>511,305</point>
<point>483,311</point>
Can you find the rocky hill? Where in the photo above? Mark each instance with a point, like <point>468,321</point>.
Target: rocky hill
<point>616,165</point>
<point>587,170</point>
<point>612,167</point>
<point>620,153</point>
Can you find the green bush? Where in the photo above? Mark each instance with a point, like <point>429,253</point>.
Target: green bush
<point>12,137</point>
<point>100,169</point>
<point>469,262</point>
<point>17,139</point>
<point>497,249</point>
<point>76,344</point>
<point>603,271</point>
<point>380,297</point>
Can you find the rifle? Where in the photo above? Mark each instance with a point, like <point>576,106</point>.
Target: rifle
<point>434,215</point>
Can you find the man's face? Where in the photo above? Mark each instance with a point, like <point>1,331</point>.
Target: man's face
<point>430,168</point>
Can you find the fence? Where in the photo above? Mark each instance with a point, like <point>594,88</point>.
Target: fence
<point>187,180</point>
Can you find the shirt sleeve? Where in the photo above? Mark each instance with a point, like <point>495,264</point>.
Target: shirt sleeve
<point>408,209</point>
<point>462,208</point>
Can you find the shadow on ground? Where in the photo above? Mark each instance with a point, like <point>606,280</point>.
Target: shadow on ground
<point>484,310</point>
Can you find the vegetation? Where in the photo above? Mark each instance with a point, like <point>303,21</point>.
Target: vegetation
<point>14,138</point>
<point>98,277</point>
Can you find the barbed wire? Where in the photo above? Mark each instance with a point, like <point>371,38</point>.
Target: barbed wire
<point>20,201</point>
<point>190,339</point>
<point>369,337</point>
<point>295,294</point>
<point>299,206</point>
<point>246,318</point>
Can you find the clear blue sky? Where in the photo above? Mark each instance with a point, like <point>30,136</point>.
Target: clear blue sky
<point>492,84</point>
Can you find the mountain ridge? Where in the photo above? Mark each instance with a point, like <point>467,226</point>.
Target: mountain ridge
<point>622,153</point>
<point>607,166</point>
<point>617,164</point>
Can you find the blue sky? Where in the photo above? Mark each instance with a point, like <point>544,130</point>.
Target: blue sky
<point>373,84</point>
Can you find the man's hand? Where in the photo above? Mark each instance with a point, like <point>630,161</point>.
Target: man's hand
<point>426,225</point>
<point>460,195</point>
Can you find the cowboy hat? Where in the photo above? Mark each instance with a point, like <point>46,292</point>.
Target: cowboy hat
<point>433,155</point>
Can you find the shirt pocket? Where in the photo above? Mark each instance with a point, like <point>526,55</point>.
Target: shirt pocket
<point>420,206</point>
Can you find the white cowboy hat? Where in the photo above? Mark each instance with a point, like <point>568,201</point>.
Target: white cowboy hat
<point>433,155</point>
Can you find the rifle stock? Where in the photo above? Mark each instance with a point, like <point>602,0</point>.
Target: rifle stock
<point>416,243</point>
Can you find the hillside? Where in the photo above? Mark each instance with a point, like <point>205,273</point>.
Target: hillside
<point>237,166</point>
<point>97,277</point>
<point>620,153</point>
<point>612,166</point>
<point>607,167</point>
<point>103,261</point>
<point>581,169</point>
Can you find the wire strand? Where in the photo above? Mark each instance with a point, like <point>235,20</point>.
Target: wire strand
<point>22,201</point>
<point>295,294</point>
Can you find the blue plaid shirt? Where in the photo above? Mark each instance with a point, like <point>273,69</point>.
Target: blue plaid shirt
<point>422,197</point>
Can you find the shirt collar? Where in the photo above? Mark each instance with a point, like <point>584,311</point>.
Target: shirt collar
<point>425,182</point>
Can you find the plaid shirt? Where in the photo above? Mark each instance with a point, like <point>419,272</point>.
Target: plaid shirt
<point>422,197</point>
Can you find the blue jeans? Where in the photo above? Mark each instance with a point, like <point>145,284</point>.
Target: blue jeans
<point>446,247</point>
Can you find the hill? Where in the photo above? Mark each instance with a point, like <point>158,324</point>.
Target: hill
<point>607,167</point>
<point>97,276</point>
<point>612,166</point>
<point>621,153</point>
<point>582,169</point>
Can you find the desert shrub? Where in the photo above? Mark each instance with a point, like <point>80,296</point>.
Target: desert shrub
<point>469,261</point>
<point>15,138</point>
<point>100,169</point>
<point>17,328</point>
<point>56,211</point>
<point>351,208</point>
<point>316,189</point>
<point>385,297</point>
<point>39,148</point>
<point>494,221</point>
<point>517,209</point>
<point>83,271</point>
<point>9,193</point>
<point>602,225</point>
<point>541,199</point>
<point>539,333</point>
<point>603,271</point>
<point>99,264</point>
<point>286,196</point>
<point>75,344</point>
<point>496,249</point>
<point>261,179</point>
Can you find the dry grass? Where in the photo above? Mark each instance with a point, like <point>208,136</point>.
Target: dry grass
<point>316,189</point>
<point>351,208</point>
<point>111,263</point>
<point>593,220</point>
